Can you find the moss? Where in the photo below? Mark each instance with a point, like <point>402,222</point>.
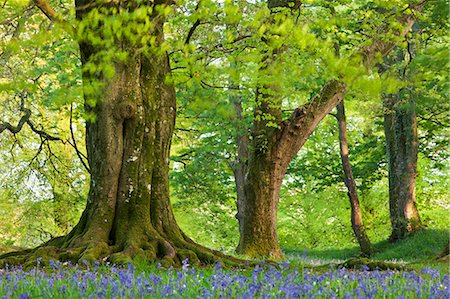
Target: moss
<point>95,252</point>
<point>5,249</point>
<point>366,264</point>
<point>260,252</point>
<point>46,253</point>
<point>188,254</point>
<point>145,256</point>
<point>167,262</point>
<point>71,254</point>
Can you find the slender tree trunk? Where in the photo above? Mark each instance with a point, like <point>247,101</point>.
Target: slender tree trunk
<point>239,165</point>
<point>400,128</point>
<point>356,216</point>
<point>391,150</point>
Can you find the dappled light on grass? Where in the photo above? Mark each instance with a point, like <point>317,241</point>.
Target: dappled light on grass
<point>108,281</point>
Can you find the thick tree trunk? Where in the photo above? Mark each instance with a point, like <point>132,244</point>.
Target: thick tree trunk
<point>400,128</point>
<point>356,216</point>
<point>272,149</point>
<point>128,213</point>
<point>258,213</point>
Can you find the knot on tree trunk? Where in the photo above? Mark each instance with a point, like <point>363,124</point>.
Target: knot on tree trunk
<point>126,110</point>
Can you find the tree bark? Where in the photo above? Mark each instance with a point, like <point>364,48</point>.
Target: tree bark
<point>271,151</point>
<point>356,216</point>
<point>400,128</point>
<point>239,165</point>
<point>128,213</point>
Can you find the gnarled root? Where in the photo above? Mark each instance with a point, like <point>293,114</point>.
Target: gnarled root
<point>157,250</point>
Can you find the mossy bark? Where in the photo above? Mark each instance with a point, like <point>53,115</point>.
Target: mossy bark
<point>128,213</point>
<point>400,128</point>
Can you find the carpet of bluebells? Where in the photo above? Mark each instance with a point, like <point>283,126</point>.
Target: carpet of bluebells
<point>286,281</point>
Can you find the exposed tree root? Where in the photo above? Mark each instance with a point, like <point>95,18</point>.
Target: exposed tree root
<point>445,254</point>
<point>150,251</point>
<point>366,264</point>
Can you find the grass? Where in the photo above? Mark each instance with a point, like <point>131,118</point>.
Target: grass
<point>423,245</point>
<point>417,251</point>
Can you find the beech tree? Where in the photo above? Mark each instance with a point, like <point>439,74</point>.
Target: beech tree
<point>130,107</point>
<point>400,126</point>
<point>402,113</point>
<point>274,146</point>
<point>273,143</point>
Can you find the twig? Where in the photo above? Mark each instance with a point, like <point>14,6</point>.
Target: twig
<point>51,14</point>
<point>79,154</point>
<point>191,31</point>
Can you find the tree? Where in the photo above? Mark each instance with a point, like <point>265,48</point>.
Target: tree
<point>275,142</point>
<point>279,45</point>
<point>356,216</point>
<point>402,148</point>
<point>404,107</point>
<point>130,104</point>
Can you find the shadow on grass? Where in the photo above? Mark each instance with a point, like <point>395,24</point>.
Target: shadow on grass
<point>8,248</point>
<point>424,245</point>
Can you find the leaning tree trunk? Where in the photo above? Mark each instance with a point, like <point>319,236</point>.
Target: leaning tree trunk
<point>128,213</point>
<point>273,144</point>
<point>356,216</point>
<point>400,128</point>
<point>272,149</point>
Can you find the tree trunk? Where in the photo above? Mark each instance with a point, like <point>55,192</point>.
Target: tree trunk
<point>128,213</point>
<point>258,212</point>
<point>400,128</point>
<point>272,149</point>
<point>239,165</point>
<point>356,216</point>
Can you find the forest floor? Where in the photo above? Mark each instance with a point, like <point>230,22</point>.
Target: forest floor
<point>416,273</point>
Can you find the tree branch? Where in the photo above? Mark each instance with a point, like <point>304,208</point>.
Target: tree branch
<point>204,85</point>
<point>191,31</point>
<point>42,133</point>
<point>25,119</point>
<point>79,154</point>
<point>16,129</point>
<point>296,130</point>
<point>380,46</point>
<point>53,16</point>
